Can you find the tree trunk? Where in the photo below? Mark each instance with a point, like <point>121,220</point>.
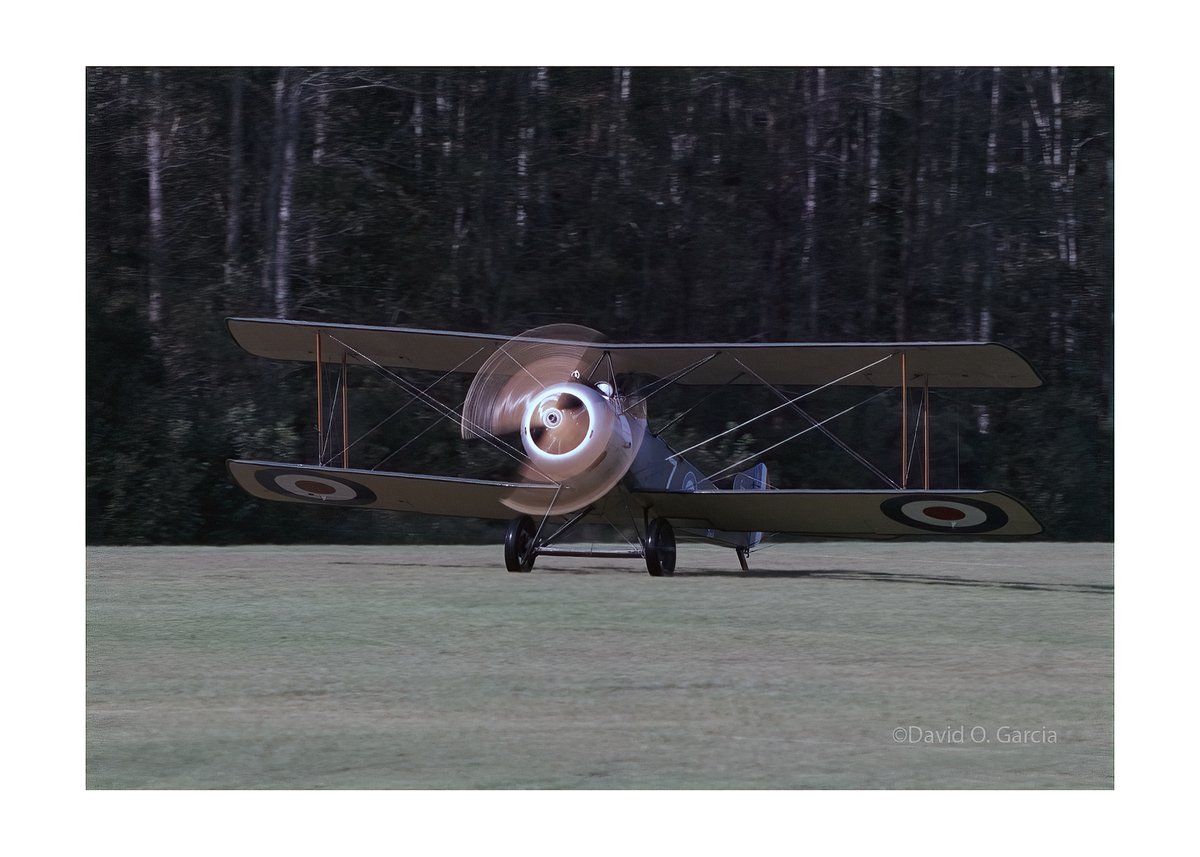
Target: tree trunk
<point>814,94</point>
<point>312,251</point>
<point>283,237</point>
<point>154,169</point>
<point>277,205</point>
<point>990,211</point>
<point>983,417</point>
<point>233,204</point>
<point>870,226</point>
<point>913,201</point>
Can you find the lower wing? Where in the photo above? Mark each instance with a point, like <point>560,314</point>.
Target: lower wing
<point>398,492</point>
<point>804,512</point>
<point>845,513</point>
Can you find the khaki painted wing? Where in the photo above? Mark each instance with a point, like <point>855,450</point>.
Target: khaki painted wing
<point>400,492</point>
<point>393,347</point>
<point>944,364</point>
<point>845,513</point>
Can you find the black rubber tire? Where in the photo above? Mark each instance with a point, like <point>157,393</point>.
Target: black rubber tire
<point>660,548</point>
<point>519,552</point>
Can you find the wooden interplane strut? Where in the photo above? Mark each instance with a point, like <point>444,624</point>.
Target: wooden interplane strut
<point>903,420</point>
<point>320,404</point>
<point>925,425</point>
<point>346,416</point>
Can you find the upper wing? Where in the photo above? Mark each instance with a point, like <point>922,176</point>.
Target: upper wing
<point>944,364</point>
<point>399,492</point>
<point>844,513</point>
<point>394,347</point>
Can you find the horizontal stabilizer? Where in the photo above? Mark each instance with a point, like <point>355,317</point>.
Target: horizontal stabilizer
<point>874,364</point>
<point>398,492</point>
<point>845,513</point>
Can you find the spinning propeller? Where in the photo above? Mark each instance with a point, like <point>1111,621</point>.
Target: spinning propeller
<point>547,385</point>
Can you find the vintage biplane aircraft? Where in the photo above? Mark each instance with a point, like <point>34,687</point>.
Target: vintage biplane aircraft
<point>586,453</point>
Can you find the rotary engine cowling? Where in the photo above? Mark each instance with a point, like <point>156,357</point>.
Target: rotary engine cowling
<point>571,428</point>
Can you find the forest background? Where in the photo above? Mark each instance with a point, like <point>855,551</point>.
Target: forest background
<point>654,204</point>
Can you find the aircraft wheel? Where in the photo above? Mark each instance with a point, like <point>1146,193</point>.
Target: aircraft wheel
<point>519,551</point>
<point>660,548</point>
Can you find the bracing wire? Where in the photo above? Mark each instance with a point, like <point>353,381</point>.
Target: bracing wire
<point>678,417</point>
<point>781,407</point>
<point>405,406</point>
<point>837,440</point>
<point>662,383</point>
<point>805,431</point>
<point>446,410</point>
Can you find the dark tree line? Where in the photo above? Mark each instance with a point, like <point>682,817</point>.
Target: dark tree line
<point>652,204</point>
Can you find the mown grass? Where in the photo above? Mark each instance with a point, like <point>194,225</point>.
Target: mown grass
<point>430,667</point>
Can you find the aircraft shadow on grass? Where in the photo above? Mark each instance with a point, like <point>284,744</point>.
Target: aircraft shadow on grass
<point>855,575</point>
<point>896,577</point>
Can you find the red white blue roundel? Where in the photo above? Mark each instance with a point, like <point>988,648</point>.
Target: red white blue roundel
<point>299,485</point>
<point>937,513</point>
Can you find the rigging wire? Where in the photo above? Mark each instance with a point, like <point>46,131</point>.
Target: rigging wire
<point>405,406</point>
<point>412,399</point>
<point>780,407</point>
<point>661,384</point>
<point>409,442</point>
<point>446,411</point>
<point>720,389</point>
<point>796,435</point>
<point>861,459</point>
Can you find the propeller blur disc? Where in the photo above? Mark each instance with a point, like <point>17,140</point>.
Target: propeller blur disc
<point>522,368</point>
<point>575,433</point>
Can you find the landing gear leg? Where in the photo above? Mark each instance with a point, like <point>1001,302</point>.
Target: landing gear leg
<point>742,554</point>
<point>660,548</point>
<point>520,549</point>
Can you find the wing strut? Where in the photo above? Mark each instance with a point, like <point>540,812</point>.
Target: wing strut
<point>345,416</point>
<point>925,410</point>
<point>922,428</point>
<point>320,402</point>
<point>903,421</point>
<point>343,391</point>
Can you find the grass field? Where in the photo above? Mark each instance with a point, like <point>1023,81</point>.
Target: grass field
<point>829,665</point>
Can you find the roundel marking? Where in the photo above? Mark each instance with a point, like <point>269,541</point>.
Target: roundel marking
<point>941,514</point>
<point>313,487</point>
<point>320,489</point>
<point>944,513</point>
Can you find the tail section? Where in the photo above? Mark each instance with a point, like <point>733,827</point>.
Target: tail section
<point>658,469</point>
<point>754,479</point>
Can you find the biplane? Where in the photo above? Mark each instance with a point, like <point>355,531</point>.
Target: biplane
<point>559,401</point>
